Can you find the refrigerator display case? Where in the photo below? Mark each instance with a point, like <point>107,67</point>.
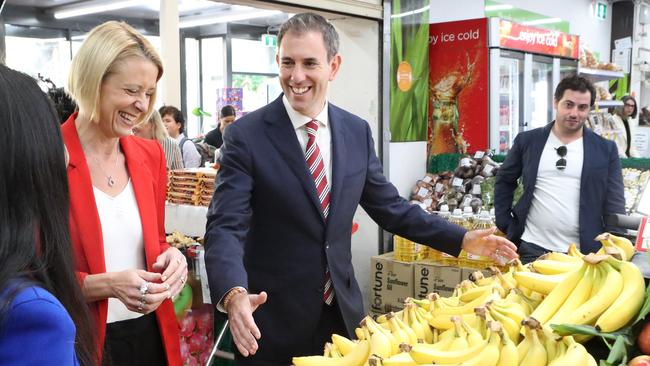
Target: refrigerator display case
<point>526,64</point>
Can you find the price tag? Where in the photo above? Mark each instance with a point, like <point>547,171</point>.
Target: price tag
<point>422,192</point>
<point>427,202</point>
<point>465,162</point>
<point>466,202</point>
<point>488,169</point>
<point>457,182</point>
<point>439,187</point>
<point>479,155</point>
<point>427,179</point>
<point>476,189</point>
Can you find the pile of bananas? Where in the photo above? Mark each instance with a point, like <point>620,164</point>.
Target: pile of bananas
<point>503,319</point>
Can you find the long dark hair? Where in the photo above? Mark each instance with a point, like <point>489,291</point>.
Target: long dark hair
<point>35,245</point>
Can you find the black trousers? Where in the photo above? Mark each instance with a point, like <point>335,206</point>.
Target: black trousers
<point>330,322</point>
<point>134,342</point>
<point>528,252</point>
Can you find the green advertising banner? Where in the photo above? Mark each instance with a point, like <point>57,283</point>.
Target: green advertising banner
<point>409,70</point>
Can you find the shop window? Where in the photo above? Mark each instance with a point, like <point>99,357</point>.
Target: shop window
<point>192,84</point>
<point>213,77</point>
<point>33,56</point>
<point>258,90</point>
<point>251,56</point>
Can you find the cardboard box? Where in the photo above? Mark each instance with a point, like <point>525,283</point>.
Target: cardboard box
<point>391,282</point>
<point>430,276</point>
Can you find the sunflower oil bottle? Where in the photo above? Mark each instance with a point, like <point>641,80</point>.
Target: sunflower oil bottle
<point>484,221</point>
<point>408,251</point>
<point>458,219</point>
<point>434,254</point>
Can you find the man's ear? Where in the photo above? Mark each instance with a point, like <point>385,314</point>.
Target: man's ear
<point>335,64</point>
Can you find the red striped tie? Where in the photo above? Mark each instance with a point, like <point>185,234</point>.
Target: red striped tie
<point>317,170</point>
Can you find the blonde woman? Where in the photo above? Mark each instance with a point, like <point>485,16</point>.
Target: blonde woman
<point>153,129</point>
<point>128,273</point>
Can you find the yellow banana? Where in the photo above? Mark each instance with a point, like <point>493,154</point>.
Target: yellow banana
<point>509,325</point>
<point>630,300</point>
<point>443,321</point>
<point>356,357</point>
<point>561,257</point>
<point>538,282</point>
<point>327,349</point>
<point>466,308</point>
<point>474,337</point>
<point>373,328</point>
<point>412,337</point>
<point>524,345</point>
<point>424,325</point>
<point>400,359</point>
<point>460,336</point>
<point>625,244</point>
<point>383,318</point>
<point>412,322</point>
<point>489,356</point>
<point>551,267</point>
<point>575,355</point>
<point>334,351</point>
<point>536,355</point>
<point>610,248</point>
<point>400,334</point>
<point>508,355</point>
<point>574,251</point>
<point>344,344</point>
<point>581,293</point>
<point>426,354</point>
<point>589,312</point>
<point>474,292</point>
<point>358,332</point>
<point>556,298</point>
<point>513,310</point>
<point>550,341</point>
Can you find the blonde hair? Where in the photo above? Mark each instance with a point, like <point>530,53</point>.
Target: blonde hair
<point>158,129</point>
<point>106,46</point>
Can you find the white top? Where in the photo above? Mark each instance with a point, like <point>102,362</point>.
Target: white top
<point>191,157</point>
<point>552,221</point>
<point>323,135</point>
<point>123,240</point>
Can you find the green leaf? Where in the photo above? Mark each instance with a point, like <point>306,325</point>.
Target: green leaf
<point>645,309</point>
<point>200,112</point>
<point>571,329</point>
<point>619,351</point>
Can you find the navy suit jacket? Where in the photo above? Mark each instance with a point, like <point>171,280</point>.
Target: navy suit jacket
<point>601,185</point>
<point>266,231</point>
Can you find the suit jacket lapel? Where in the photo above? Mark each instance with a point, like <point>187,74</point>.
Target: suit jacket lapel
<point>537,147</point>
<point>141,179</point>
<point>83,209</point>
<point>283,137</point>
<point>338,155</point>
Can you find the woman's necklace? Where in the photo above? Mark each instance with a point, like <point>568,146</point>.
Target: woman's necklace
<point>109,177</point>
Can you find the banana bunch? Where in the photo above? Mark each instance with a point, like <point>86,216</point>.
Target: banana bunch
<point>357,356</point>
<point>621,248</point>
<point>602,291</point>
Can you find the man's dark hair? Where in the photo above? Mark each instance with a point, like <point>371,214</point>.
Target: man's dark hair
<point>576,83</point>
<point>176,114</point>
<point>35,245</point>
<point>227,111</point>
<point>311,22</point>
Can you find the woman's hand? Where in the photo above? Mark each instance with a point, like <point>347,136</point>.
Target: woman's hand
<point>139,290</point>
<point>173,267</point>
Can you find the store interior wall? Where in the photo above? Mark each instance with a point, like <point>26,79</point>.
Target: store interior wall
<point>640,78</point>
<point>356,89</point>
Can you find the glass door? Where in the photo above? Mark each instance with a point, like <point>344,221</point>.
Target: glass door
<point>510,83</point>
<point>541,92</point>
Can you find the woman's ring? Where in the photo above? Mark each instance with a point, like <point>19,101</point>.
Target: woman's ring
<point>144,288</point>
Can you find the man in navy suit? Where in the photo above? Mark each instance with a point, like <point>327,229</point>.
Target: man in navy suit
<point>279,226</point>
<point>571,176</point>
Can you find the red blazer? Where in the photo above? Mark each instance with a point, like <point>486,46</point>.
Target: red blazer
<point>147,167</point>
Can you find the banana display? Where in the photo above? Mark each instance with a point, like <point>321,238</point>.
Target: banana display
<point>503,319</point>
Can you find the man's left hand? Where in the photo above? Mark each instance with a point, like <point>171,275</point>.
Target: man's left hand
<point>485,243</point>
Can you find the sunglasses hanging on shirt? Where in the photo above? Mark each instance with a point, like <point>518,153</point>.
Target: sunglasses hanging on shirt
<point>560,164</point>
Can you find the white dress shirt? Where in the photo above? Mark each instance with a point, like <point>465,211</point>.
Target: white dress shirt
<point>323,135</point>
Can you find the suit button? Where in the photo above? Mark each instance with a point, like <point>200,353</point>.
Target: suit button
<point>327,245</point>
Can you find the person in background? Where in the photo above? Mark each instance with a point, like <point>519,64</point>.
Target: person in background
<point>622,119</point>
<point>292,176</point>
<point>174,121</point>
<point>43,317</point>
<point>153,129</point>
<point>227,115</point>
<point>572,179</point>
<point>127,271</point>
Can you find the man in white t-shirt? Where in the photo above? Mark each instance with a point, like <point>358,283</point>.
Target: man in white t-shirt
<point>174,121</point>
<point>572,179</point>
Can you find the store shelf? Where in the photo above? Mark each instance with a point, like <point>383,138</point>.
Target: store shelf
<point>609,103</point>
<point>596,75</point>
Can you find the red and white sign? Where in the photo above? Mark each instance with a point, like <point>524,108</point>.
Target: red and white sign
<point>538,40</point>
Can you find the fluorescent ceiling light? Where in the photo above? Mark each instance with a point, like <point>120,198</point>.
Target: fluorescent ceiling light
<point>412,12</point>
<point>542,21</point>
<point>92,7</point>
<point>498,7</point>
<point>195,21</point>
